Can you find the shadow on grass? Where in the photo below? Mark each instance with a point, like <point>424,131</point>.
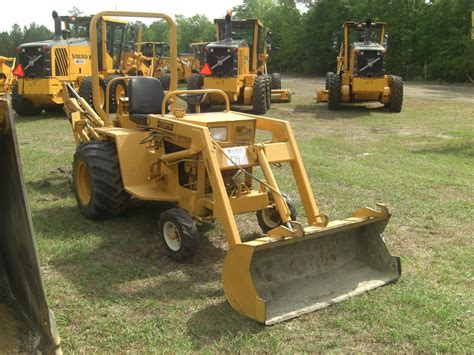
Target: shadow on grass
<point>219,322</point>
<point>56,186</point>
<point>461,149</point>
<point>346,111</point>
<point>122,258</point>
<point>44,115</point>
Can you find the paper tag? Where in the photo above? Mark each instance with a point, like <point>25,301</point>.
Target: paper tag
<point>237,154</point>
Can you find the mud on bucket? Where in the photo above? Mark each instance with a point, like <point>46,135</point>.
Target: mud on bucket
<point>274,281</point>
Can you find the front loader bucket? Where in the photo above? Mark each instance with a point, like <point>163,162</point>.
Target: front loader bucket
<point>26,323</point>
<point>272,281</point>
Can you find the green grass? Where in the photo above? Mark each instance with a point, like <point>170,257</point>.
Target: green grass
<point>112,288</point>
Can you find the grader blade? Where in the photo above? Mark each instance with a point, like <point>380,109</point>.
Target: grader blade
<point>26,323</point>
<point>272,281</point>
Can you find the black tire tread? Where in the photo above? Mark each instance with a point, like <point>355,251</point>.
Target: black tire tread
<point>22,106</point>
<point>259,95</point>
<point>268,79</point>
<point>188,233</point>
<point>165,82</point>
<point>334,100</point>
<point>195,82</point>
<point>396,93</point>
<point>113,100</point>
<point>276,81</point>
<point>109,199</point>
<point>85,89</point>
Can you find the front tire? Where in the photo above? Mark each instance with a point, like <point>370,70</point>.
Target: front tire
<point>269,218</point>
<point>97,181</point>
<point>334,100</point>
<point>328,74</point>
<point>396,93</point>
<point>165,82</point>
<point>196,82</point>
<point>276,81</point>
<point>85,91</point>
<point>268,79</point>
<point>117,90</point>
<point>260,95</point>
<point>178,234</point>
<point>22,106</point>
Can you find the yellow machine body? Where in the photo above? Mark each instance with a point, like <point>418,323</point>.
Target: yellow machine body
<point>27,325</point>
<point>355,84</point>
<point>48,64</point>
<point>7,78</point>
<point>251,62</point>
<point>291,269</point>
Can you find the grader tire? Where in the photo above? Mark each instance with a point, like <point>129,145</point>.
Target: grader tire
<point>85,91</point>
<point>334,100</point>
<point>116,88</point>
<point>178,234</point>
<point>165,82</point>
<point>22,106</point>
<point>259,95</point>
<point>97,181</point>
<point>328,74</point>
<point>396,93</point>
<point>268,79</point>
<point>276,81</point>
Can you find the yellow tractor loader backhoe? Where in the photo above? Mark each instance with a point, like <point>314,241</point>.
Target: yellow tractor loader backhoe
<point>360,75</point>
<point>237,64</point>
<point>206,165</point>
<point>7,78</point>
<point>26,323</point>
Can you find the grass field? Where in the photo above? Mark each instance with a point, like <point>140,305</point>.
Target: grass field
<point>113,289</point>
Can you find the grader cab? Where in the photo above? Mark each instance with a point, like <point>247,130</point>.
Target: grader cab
<point>206,165</point>
<point>27,325</point>
<point>237,64</point>
<point>360,75</point>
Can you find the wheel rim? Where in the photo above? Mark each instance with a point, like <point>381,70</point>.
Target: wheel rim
<point>83,183</point>
<point>171,235</point>
<point>271,218</point>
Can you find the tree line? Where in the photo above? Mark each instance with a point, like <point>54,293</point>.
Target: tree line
<point>426,38</point>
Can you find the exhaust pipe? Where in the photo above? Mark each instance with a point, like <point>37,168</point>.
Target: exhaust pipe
<point>368,31</point>
<point>228,26</point>
<point>57,27</point>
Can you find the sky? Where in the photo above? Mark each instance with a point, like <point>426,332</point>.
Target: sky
<point>39,11</point>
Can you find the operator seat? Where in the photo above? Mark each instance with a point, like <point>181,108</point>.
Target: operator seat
<point>145,96</point>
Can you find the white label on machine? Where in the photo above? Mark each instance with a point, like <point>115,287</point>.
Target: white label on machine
<point>80,61</point>
<point>238,155</point>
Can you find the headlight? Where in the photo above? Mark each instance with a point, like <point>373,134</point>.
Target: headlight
<point>218,133</point>
<point>244,133</point>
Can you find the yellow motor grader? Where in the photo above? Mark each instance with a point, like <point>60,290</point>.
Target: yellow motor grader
<point>43,66</point>
<point>206,165</point>
<point>360,75</point>
<point>27,325</point>
<point>237,64</point>
<point>7,78</point>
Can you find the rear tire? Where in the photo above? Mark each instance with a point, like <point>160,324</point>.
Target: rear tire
<point>22,106</point>
<point>178,234</point>
<point>97,181</point>
<point>56,109</point>
<point>117,90</point>
<point>165,82</point>
<point>259,95</point>
<point>85,91</point>
<point>334,101</point>
<point>268,79</point>
<point>396,93</point>
<point>276,81</point>
<point>270,218</point>
<point>328,74</point>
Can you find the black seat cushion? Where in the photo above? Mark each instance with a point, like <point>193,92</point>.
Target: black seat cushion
<point>145,96</point>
